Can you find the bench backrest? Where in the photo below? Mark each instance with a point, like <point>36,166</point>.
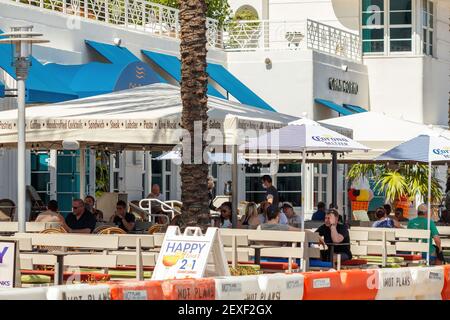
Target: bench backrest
<point>444,230</point>
<point>88,241</point>
<point>12,226</point>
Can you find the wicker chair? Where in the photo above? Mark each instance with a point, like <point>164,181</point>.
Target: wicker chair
<point>112,230</point>
<point>7,210</point>
<point>100,228</point>
<point>52,231</point>
<point>155,228</point>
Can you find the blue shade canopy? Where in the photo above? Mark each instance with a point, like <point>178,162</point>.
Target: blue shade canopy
<point>40,85</point>
<point>235,87</point>
<point>335,107</point>
<point>97,78</point>
<point>2,90</point>
<point>172,66</point>
<point>114,54</point>
<point>356,109</point>
<point>423,148</point>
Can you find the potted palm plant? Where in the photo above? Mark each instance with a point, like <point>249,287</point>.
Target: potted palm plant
<point>399,184</point>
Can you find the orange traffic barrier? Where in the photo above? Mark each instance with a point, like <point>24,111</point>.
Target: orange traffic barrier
<point>342,285</point>
<point>136,290</point>
<point>189,289</point>
<point>358,284</point>
<point>446,289</point>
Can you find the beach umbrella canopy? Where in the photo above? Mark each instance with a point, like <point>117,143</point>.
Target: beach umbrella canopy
<point>428,148</point>
<point>303,135</point>
<point>224,158</point>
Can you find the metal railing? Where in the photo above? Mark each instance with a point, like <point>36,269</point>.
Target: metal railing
<point>167,207</point>
<point>291,35</point>
<point>141,15</point>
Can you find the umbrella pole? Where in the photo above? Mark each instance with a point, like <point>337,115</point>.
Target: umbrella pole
<point>303,181</point>
<point>429,207</point>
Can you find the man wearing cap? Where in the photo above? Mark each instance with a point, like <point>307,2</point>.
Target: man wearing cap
<point>421,222</point>
<point>292,218</point>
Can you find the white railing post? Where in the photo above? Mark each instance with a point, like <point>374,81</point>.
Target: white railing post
<point>64,6</point>
<point>144,20</point>
<point>107,11</point>
<point>86,8</point>
<point>126,9</point>
<point>160,15</point>
<point>41,3</point>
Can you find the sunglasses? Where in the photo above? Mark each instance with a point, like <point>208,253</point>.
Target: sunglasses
<point>75,208</point>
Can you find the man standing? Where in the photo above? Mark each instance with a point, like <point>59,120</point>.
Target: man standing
<point>123,219</point>
<point>80,220</point>
<point>421,222</point>
<point>337,234</point>
<point>271,191</point>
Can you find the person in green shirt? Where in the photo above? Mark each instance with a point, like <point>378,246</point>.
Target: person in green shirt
<point>421,222</point>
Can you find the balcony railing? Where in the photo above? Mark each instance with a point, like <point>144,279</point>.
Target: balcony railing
<point>142,15</point>
<point>291,35</point>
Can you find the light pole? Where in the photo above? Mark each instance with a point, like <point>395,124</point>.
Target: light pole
<point>21,40</point>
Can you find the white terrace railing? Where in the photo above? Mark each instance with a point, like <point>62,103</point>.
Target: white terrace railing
<point>142,15</point>
<point>291,35</point>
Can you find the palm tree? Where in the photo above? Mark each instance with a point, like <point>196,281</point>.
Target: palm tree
<point>194,80</point>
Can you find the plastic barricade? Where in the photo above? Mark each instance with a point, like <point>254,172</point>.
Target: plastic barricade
<point>189,289</point>
<point>79,292</point>
<point>395,284</point>
<point>136,290</point>
<point>237,288</point>
<point>446,288</point>
<point>341,285</point>
<point>39,293</point>
<point>281,286</point>
<point>428,282</point>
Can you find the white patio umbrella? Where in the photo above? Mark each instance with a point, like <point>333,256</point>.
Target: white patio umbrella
<point>426,148</point>
<point>303,136</point>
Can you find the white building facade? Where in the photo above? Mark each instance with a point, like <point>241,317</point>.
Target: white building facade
<point>304,58</point>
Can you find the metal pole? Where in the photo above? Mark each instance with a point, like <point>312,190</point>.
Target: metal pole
<point>82,173</point>
<point>334,178</point>
<point>303,187</point>
<point>429,208</point>
<point>21,182</point>
<point>234,186</point>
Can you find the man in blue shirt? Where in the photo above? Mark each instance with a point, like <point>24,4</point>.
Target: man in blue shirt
<point>319,215</point>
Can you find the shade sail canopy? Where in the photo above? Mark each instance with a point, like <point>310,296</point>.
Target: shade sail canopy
<point>303,135</point>
<point>380,132</point>
<point>143,116</point>
<point>424,148</point>
<point>335,107</point>
<point>221,158</point>
<point>235,87</point>
<point>172,65</point>
<point>114,54</point>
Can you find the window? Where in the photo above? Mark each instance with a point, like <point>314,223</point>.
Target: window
<point>386,26</point>
<point>427,26</point>
<point>320,183</point>
<point>373,26</point>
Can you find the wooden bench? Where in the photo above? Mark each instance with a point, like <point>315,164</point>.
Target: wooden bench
<point>384,241</point>
<point>10,227</point>
<point>297,244</point>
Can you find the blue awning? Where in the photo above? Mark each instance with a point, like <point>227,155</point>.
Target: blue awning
<point>114,54</point>
<point>172,66</point>
<point>40,86</point>
<point>333,106</point>
<point>97,78</point>
<point>353,108</point>
<point>2,90</point>
<point>235,87</point>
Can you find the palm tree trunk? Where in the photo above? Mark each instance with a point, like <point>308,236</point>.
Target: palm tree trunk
<point>194,80</point>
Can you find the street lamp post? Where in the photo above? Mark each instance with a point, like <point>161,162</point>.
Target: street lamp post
<point>21,40</point>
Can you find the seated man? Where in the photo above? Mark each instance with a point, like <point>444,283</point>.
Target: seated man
<point>81,220</point>
<point>273,221</point>
<point>123,219</point>
<point>293,218</point>
<point>335,233</point>
<point>319,215</point>
<point>421,222</point>
<point>383,221</point>
<point>51,215</point>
